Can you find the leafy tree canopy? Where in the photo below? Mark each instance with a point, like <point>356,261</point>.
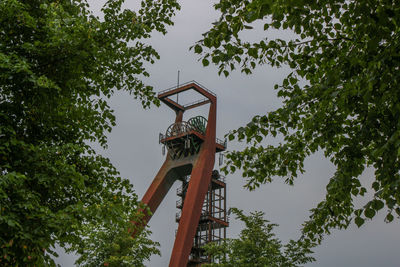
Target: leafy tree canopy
<point>341,97</point>
<point>110,243</point>
<point>58,65</point>
<point>257,246</point>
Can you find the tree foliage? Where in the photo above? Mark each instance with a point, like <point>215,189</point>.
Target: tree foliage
<point>257,246</point>
<point>341,97</point>
<point>110,243</point>
<point>58,65</point>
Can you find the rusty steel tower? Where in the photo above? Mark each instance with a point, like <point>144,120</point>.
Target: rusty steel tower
<point>191,148</point>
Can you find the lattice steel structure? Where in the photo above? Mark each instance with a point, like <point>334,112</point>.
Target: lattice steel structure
<point>213,219</point>
<point>191,146</point>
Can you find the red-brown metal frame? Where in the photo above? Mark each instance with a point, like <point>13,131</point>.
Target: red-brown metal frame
<point>200,168</point>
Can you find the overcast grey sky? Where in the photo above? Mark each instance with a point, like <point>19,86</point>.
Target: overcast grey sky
<point>134,150</point>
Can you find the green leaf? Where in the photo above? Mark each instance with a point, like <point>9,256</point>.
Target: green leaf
<point>276,24</point>
<point>198,49</point>
<point>359,221</point>
<point>369,213</point>
<point>389,217</point>
<point>377,204</point>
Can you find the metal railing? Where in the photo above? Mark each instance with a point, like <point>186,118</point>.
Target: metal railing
<point>183,84</point>
<point>178,128</point>
<point>223,143</point>
<point>196,102</point>
<point>179,191</point>
<point>178,215</point>
<point>203,216</point>
<point>179,203</point>
<point>160,137</point>
<point>221,178</point>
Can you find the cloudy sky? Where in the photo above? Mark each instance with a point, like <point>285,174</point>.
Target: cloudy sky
<point>134,150</point>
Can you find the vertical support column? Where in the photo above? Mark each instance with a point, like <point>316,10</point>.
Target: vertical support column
<point>179,116</point>
<point>225,218</point>
<point>198,187</point>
